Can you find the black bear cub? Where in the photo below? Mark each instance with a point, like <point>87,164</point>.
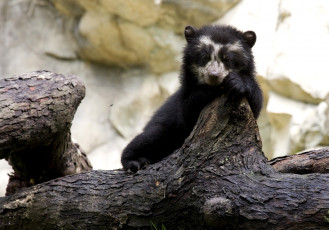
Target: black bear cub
<point>216,60</point>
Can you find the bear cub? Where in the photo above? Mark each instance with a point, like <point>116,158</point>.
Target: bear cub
<point>217,59</point>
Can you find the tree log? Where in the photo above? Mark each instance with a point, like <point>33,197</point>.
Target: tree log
<point>218,179</point>
<point>35,119</point>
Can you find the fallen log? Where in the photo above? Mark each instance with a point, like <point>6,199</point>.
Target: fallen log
<point>218,179</point>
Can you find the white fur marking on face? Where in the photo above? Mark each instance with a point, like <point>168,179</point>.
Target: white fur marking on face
<point>225,71</point>
<point>204,71</point>
<point>237,47</point>
<point>214,65</point>
<point>207,41</point>
<point>200,72</point>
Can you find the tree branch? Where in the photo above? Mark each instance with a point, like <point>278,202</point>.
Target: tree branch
<point>308,162</point>
<point>35,119</point>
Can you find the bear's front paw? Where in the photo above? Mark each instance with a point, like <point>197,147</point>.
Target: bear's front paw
<point>136,165</point>
<point>235,87</point>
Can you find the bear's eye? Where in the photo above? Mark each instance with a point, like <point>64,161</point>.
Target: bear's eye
<point>225,58</point>
<point>205,53</point>
<point>233,60</point>
<point>224,55</point>
<point>204,58</point>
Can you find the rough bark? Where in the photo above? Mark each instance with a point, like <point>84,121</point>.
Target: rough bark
<point>219,179</point>
<point>307,162</point>
<point>36,111</point>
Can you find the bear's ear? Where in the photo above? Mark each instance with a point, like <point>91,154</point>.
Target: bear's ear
<point>189,33</point>
<point>250,38</point>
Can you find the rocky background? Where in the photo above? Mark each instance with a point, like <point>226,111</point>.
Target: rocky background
<point>128,54</point>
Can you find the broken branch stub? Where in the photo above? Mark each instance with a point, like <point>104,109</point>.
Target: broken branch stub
<point>37,109</point>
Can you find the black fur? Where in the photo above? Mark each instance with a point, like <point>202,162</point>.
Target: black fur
<point>174,121</point>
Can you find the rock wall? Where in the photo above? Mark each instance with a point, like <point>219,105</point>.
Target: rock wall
<point>127,33</point>
<point>128,54</point>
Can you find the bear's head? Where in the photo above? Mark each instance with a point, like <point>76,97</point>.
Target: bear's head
<point>213,52</point>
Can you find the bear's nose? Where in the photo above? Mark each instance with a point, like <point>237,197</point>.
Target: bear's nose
<point>214,74</point>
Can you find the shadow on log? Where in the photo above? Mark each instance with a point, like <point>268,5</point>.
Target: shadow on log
<point>219,179</point>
